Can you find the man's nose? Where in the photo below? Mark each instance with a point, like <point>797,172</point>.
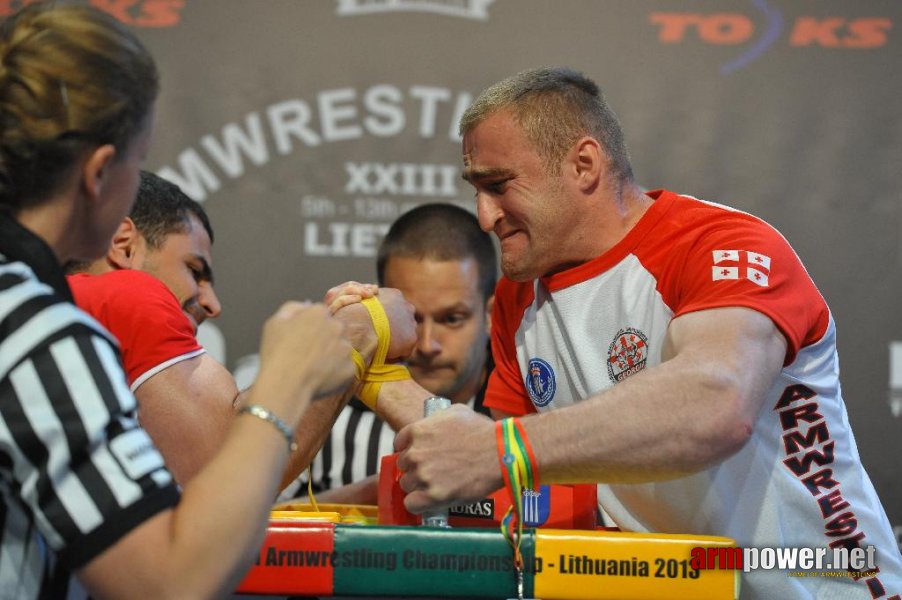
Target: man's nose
<point>208,300</point>
<point>487,211</point>
<point>427,344</point>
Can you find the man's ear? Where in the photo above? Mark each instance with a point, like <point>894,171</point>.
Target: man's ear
<point>587,160</point>
<point>124,246</point>
<point>96,169</point>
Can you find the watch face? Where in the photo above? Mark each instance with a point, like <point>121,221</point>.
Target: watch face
<point>433,404</point>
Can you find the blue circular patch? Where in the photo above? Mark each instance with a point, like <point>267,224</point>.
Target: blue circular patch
<point>540,382</point>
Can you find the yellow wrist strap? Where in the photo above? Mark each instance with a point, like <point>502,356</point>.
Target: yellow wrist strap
<point>379,372</point>
<point>369,393</point>
<point>359,364</point>
<point>380,324</point>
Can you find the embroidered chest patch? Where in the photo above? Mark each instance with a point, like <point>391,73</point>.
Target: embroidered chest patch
<point>627,354</point>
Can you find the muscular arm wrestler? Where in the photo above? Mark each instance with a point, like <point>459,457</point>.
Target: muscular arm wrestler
<point>152,290</point>
<point>676,351</point>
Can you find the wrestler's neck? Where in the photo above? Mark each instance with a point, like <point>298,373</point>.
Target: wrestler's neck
<point>608,219</point>
<point>100,266</point>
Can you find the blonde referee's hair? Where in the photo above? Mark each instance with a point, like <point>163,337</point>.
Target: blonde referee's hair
<point>71,78</point>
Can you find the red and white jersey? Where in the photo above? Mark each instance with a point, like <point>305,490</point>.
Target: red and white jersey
<point>799,481</point>
<point>143,315</point>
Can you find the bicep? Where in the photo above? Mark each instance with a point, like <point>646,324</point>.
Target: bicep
<point>738,345</point>
<point>187,408</point>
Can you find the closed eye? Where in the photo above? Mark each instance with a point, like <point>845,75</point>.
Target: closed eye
<point>200,269</point>
<point>497,187</point>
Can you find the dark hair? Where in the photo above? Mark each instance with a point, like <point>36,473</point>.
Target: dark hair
<point>441,232</point>
<point>71,76</point>
<point>162,208</point>
<point>555,107</point>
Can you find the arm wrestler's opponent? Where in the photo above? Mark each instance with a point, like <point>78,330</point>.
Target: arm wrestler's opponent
<point>675,351</point>
<point>152,290</point>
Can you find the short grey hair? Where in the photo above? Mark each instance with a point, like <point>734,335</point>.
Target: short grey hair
<point>555,106</point>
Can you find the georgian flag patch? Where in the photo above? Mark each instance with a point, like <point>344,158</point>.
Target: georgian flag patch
<point>733,264</point>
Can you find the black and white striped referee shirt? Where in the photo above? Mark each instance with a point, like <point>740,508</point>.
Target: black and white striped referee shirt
<point>76,471</point>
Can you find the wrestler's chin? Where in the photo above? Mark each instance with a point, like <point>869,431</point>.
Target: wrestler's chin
<point>518,270</point>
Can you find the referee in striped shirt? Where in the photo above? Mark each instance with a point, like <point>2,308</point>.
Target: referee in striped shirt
<point>83,490</point>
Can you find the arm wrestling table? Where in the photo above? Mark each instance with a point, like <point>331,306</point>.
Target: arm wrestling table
<point>367,551</point>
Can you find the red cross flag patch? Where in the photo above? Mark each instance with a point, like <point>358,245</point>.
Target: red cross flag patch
<point>729,264</point>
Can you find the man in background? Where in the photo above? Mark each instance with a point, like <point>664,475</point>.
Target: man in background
<point>446,266</point>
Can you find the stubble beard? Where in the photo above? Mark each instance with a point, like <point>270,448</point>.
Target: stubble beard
<point>517,269</point>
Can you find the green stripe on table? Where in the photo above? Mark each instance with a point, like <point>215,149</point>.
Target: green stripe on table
<point>381,560</point>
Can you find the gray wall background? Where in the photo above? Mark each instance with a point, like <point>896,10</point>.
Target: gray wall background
<point>307,126</point>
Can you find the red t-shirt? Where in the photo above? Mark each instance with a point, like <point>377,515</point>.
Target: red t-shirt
<point>797,482</point>
<point>146,318</point>
<point>684,255</point>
